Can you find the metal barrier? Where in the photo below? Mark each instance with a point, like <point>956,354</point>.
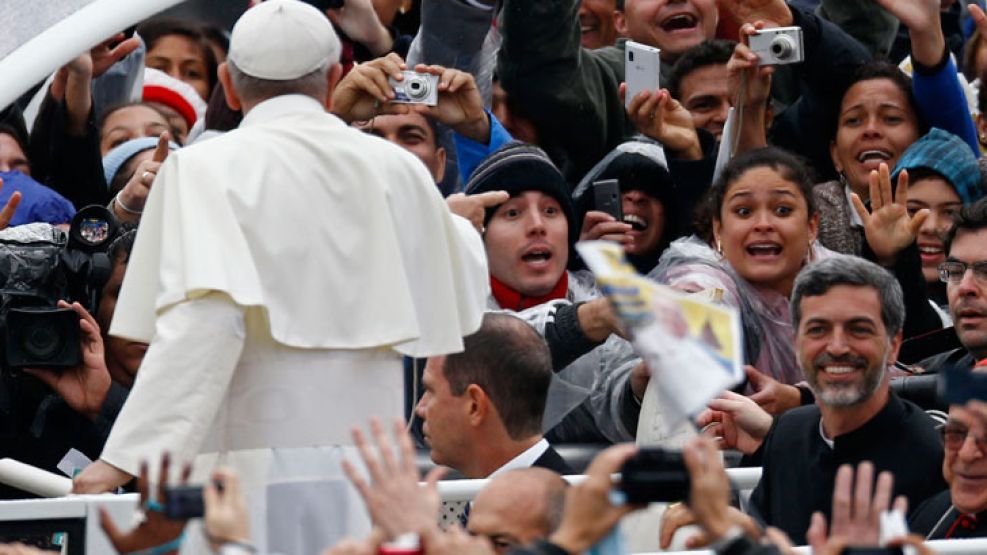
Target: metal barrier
<point>744,479</point>
<point>942,547</point>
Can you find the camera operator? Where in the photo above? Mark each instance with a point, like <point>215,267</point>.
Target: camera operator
<point>45,413</point>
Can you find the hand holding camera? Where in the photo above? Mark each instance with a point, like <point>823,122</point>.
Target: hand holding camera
<point>84,387</point>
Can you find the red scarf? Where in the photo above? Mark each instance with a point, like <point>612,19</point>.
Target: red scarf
<point>510,299</point>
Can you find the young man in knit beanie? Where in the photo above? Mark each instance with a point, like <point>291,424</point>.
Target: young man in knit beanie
<point>528,241</point>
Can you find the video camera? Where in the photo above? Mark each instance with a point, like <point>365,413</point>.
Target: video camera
<point>40,265</point>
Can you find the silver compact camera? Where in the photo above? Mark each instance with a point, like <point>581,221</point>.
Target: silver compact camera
<point>416,88</point>
<point>779,46</point>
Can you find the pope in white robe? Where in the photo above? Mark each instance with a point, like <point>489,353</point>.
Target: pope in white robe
<point>279,273</point>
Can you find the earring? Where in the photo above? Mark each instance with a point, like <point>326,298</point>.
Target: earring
<point>809,254</point>
<point>719,248</point>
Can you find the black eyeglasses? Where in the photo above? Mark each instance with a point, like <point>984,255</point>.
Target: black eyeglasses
<point>952,271</point>
<point>954,436</point>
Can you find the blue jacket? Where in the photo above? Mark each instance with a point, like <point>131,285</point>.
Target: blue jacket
<point>38,203</point>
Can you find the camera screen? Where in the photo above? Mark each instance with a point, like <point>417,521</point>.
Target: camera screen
<point>94,230</point>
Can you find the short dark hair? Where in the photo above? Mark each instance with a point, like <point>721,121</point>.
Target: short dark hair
<point>972,217</point>
<point>883,69</point>
<point>707,53</point>
<point>789,166</point>
<point>511,363</point>
<point>819,277</point>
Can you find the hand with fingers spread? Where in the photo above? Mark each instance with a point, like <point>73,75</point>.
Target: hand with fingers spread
<point>770,394</point>
<point>474,207</point>
<point>8,210</point>
<point>661,117</point>
<point>359,20</point>
<point>397,504</point>
<point>111,51</point>
<point>589,515</point>
<point>226,519</point>
<point>709,500</point>
<point>365,91</point>
<point>857,507</point>
<point>129,202</point>
<point>887,226</point>
<point>155,530</point>
<point>459,106</point>
<point>737,421</point>
<point>602,226</point>
<point>84,388</point>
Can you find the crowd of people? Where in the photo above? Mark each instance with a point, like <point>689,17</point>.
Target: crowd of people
<point>293,249</point>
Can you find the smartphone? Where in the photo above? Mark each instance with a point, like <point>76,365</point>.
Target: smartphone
<point>641,69</point>
<point>654,474</point>
<point>960,386</point>
<point>607,199</point>
<point>185,502</point>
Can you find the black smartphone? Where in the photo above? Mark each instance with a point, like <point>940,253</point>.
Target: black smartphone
<point>185,502</point>
<point>654,474</point>
<point>960,386</point>
<point>606,198</point>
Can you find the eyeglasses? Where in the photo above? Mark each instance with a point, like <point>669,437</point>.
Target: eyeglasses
<point>953,438</point>
<point>952,271</point>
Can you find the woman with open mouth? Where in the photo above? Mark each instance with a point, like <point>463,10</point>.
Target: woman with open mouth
<point>757,229</point>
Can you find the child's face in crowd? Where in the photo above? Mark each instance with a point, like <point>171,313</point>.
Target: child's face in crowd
<point>183,59</point>
<point>527,243</point>
<point>936,194</point>
<point>876,125</point>
<point>130,122</point>
<point>765,229</point>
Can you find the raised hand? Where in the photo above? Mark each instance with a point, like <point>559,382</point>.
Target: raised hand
<point>105,54</point>
<point>459,106</point>
<point>661,117</point>
<point>8,210</point>
<point>129,203</point>
<point>474,207</point>
<point>360,22</point>
<point>365,91</point>
<point>736,421</point>
<point>600,225</point>
<point>155,530</point>
<point>888,227</point>
<point>770,394</point>
<point>397,504</point>
<point>922,17</point>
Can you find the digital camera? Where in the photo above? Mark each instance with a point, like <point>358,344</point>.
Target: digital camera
<point>416,88</point>
<point>779,46</point>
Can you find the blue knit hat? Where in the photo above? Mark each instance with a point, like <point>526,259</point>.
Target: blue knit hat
<point>116,158</point>
<point>949,156</point>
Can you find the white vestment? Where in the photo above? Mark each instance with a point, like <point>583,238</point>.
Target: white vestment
<point>279,273</point>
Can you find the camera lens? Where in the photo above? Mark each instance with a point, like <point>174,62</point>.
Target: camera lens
<point>782,47</point>
<point>42,342</point>
<point>417,87</point>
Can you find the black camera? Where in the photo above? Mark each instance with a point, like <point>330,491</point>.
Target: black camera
<point>39,266</point>
<point>185,502</point>
<point>654,474</point>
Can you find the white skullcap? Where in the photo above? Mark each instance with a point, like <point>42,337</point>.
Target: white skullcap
<point>281,40</point>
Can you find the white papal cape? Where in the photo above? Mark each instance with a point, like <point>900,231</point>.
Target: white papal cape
<point>279,273</point>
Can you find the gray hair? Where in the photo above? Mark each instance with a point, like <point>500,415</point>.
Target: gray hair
<point>253,89</point>
<point>818,277</point>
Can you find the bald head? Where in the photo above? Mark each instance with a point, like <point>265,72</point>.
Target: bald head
<point>518,507</point>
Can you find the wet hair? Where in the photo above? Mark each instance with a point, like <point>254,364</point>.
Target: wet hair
<point>511,363</point>
<point>155,29</point>
<point>883,69</point>
<point>707,53</point>
<point>789,166</point>
<point>972,217</point>
<point>819,277</point>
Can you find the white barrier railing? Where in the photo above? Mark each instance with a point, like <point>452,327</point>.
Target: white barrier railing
<point>744,479</point>
<point>942,547</point>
